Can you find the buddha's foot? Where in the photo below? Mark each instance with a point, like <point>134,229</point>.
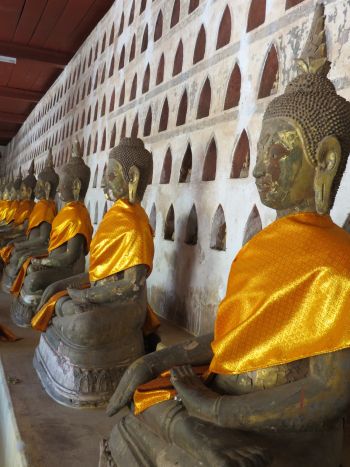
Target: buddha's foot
<point>21,313</point>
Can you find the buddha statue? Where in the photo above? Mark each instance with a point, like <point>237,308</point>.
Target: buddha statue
<point>38,230</point>
<point>93,324</point>
<point>69,242</point>
<point>272,384</point>
<point>17,225</point>
<point>11,197</point>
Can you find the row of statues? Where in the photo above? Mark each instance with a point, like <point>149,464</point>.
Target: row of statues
<point>270,386</point>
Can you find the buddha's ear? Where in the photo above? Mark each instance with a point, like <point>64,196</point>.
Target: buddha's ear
<point>76,188</point>
<point>328,157</point>
<point>134,179</point>
<point>47,188</point>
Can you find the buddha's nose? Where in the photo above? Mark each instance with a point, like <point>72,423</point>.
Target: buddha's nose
<point>259,169</point>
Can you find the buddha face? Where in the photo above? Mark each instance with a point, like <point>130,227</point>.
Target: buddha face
<point>114,185</point>
<point>65,187</point>
<point>40,189</point>
<point>25,192</point>
<point>13,194</point>
<point>284,177</point>
<point>6,194</point>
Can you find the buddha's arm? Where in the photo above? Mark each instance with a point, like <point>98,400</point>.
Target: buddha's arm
<point>124,290</point>
<point>69,256</point>
<point>196,351</point>
<point>320,397</point>
<point>74,281</point>
<point>40,240</point>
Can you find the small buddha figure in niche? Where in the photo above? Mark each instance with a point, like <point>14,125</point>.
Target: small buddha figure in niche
<point>38,229</point>
<point>25,196</point>
<point>276,382</point>
<point>244,173</point>
<point>69,242</point>
<point>95,322</point>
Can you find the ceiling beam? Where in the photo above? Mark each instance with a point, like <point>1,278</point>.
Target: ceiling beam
<point>51,57</point>
<point>7,134</point>
<point>7,117</point>
<point>20,94</point>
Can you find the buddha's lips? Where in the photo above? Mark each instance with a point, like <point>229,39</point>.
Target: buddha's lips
<point>263,186</point>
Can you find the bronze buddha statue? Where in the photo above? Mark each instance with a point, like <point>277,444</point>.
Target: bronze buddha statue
<point>92,334</point>
<point>11,195</point>
<point>69,242</point>
<point>276,380</point>
<point>38,229</point>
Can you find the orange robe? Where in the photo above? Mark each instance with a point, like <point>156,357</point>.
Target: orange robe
<point>72,220</point>
<point>3,209</point>
<point>23,211</point>
<point>123,240</point>
<point>44,211</point>
<point>11,211</point>
<point>288,298</point>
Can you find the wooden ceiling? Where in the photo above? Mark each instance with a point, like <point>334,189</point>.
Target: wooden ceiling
<point>42,35</point>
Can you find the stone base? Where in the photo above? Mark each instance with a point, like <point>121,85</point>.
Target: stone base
<point>22,313</point>
<point>71,385</point>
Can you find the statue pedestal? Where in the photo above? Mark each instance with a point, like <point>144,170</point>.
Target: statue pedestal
<point>21,312</point>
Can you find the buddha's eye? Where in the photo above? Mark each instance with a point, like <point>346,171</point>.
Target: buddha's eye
<point>277,151</point>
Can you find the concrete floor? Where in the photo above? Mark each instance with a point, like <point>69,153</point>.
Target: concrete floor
<point>54,436</point>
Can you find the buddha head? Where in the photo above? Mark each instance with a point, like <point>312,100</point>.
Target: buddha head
<point>129,167</point>
<point>74,177</point>
<point>305,139</point>
<point>28,184</point>
<point>47,183</point>
<point>15,189</point>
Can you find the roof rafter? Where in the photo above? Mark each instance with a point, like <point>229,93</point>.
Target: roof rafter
<point>20,94</point>
<point>27,52</point>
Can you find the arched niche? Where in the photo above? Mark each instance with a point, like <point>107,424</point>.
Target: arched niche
<point>135,127</point>
<point>132,49</point>
<point>111,35</point>
<point>94,185</point>
<point>103,107</point>
<point>150,175</point>
<point>160,70</point>
<point>132,12</point>
<point>103,47</point>
<point>224,34</point>
<point>209,168</point>
<point>105,209</point>
<point>167,166</point>
<point>164,117</point>
<point>144,43</point>
<point>253,225</point>
<point>112,101</point>
<point>103,75</point>
<point>146,80</point>
<point>89,86</point>
<point>96,112</point>
<point>178,60</point>
<point>204,100</point>
<point>143,6</point>
<point>95,85</point>
<point>158,30</point>
<point>96,214</point>
<point>148,123</point>
<point>241,157</point>
<point>122,95</point>
<point>175,16</point>
<point>169,227</point>
<point>291,3</point>
<point>122,58</point>
<point>193,5</point>
<point>199,50</point>
<point>153,218</point>
<point>123,132</point>
<point>103,143</point>
<point>133,88</point>
<point>121,25</point>
<point>113,136</point>
<point>186,166</point>
<point>233,92</point>
<point>111,68</point>
<point>270,76</point>
<point>88,148</point>
<point>256,15</point>
<point>96,143</point>
<point>191,235</point>
<point>182,111</point>
<point>218,230</point>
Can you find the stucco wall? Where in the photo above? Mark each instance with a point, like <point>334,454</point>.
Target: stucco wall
<point>188,280</point>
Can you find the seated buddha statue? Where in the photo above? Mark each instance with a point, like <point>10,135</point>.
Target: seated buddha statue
<point>272,385</point>
<point>93,324</point>
<point>11,196</point>
<point>17,225</point>
<point>69,242</point>
<point>38,230</point>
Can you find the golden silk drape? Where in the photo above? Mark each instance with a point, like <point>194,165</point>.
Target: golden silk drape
<point>6,252</point>
<point>4,205</point>
<point>44,211</point>
<point>11,211</point>
<point>72,220</point>
<point>23,211</point>
<point>288,298</point>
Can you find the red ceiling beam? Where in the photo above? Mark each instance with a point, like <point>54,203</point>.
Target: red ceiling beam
<point>7,134</point>
<point>7,117</point>
<point>20,94</point>
<point>51,57</point>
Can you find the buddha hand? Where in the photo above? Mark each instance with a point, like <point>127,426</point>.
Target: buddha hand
<point>198,399</point>
<point>138,373</point>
